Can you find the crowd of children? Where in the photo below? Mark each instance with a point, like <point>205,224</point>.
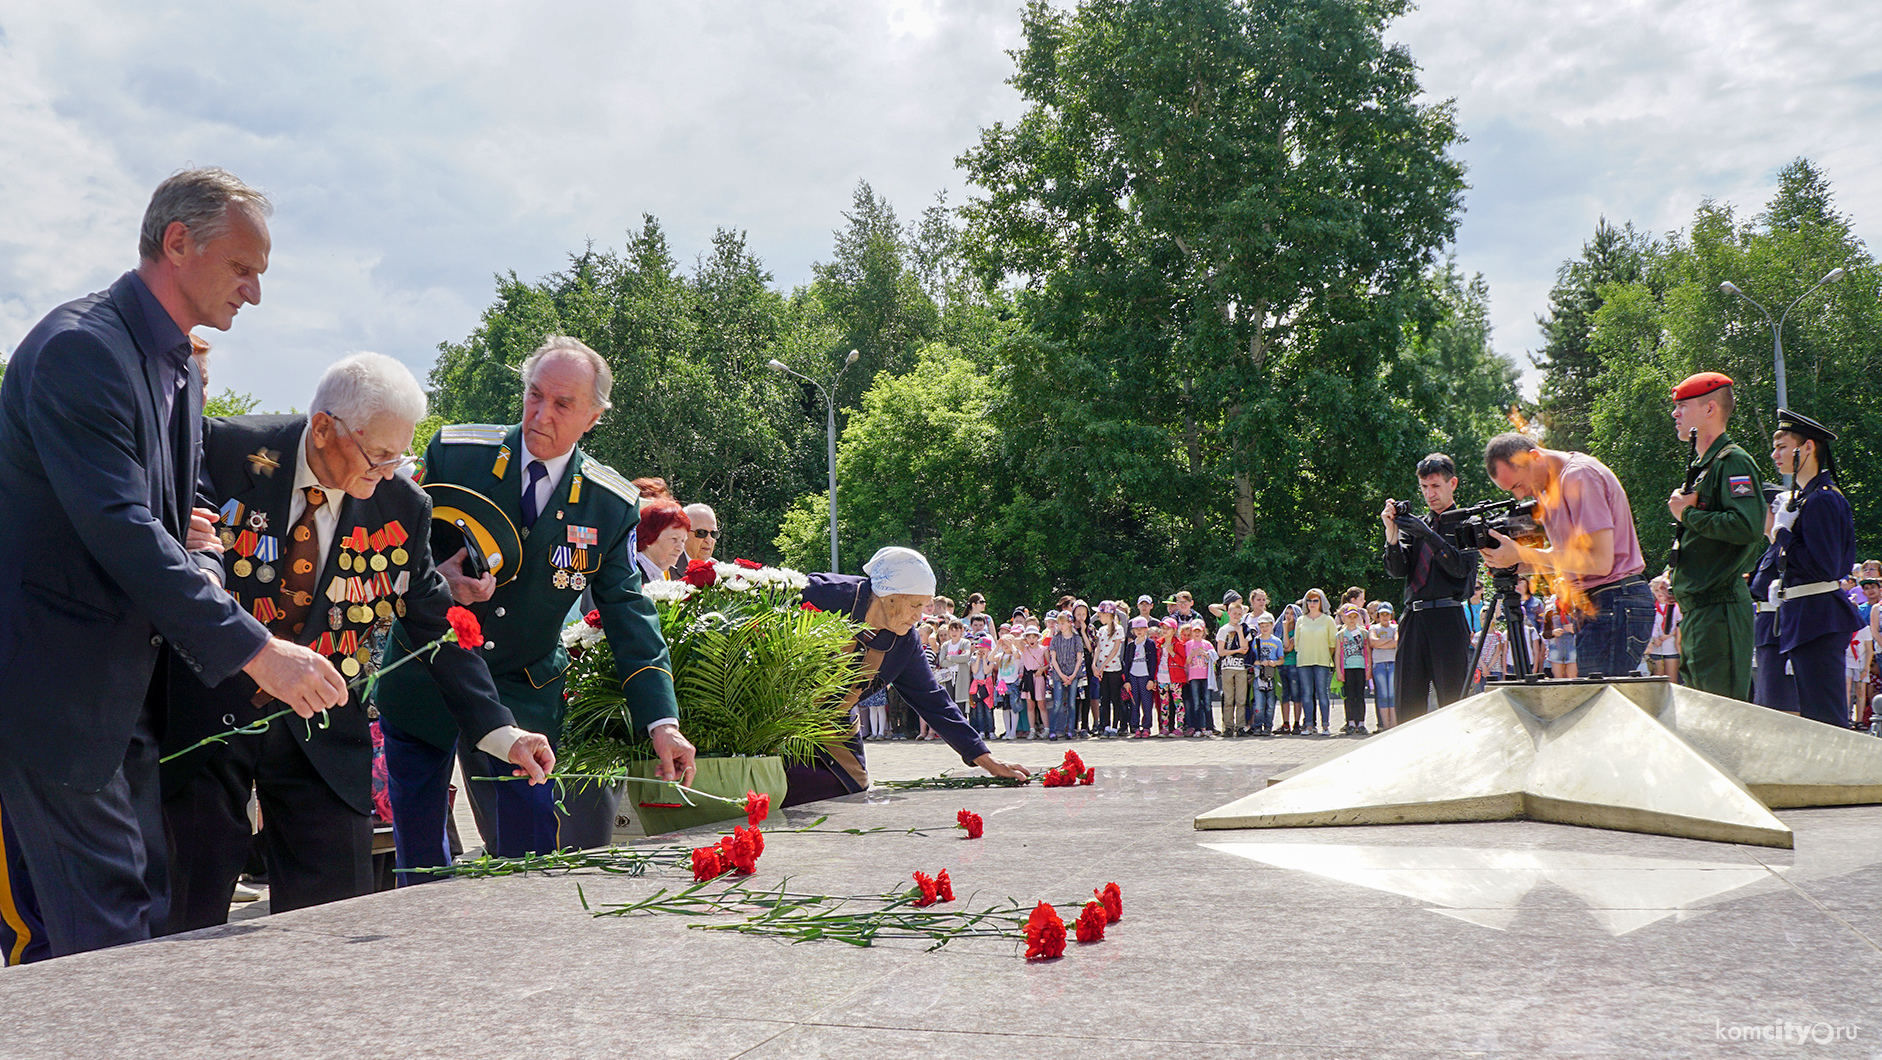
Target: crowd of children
<point>1123,671</point>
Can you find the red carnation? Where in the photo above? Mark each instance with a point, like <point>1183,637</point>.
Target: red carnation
<point>808,606</point>
<point>757,805</point>
<point>707,864</point>
<point>741,850</point>
<point>464,624</point>
<point>593,618</point>
<point>971,822</point>
<point>1045,933</point>
<point>700,574</point>
<point>929,889</point>
<point>1090,926</point>
<point>1073,763</point>
<point>747,564</point>
<point>1088,776</point>
<point>1057,777</point>
<point>944,886</point>
<point>1113,901</point>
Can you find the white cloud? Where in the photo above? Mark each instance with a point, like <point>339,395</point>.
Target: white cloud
<point>415,150</point>
<point>1639,111</point>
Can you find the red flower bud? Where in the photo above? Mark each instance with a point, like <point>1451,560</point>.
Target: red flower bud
<point>749,565</point>
<point>1113,901</point>
<point>700,574</point>
<point>971,822</point>
<point>944,886</point>
<point>808,606</point>
<point>469,633</point>
<point>929,889</point>
<point>1088,776</point>
<point>593,618</point>
<point>757,805</point>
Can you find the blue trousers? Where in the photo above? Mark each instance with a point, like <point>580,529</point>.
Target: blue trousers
<point>1613,641</point>
<point>519,818</point>
<point>1316,695</point>
<point>84,870</point>
<point>1816,679</point>
<point>1260,709</point>
<point>1141,712</point>
<point>1059,721</point>
<point>1383,692</point>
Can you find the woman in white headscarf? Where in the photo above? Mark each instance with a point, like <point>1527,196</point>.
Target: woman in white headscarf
<point>888,599</point>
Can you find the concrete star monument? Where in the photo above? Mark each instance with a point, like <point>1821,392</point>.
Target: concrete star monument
<point>1638,755</point>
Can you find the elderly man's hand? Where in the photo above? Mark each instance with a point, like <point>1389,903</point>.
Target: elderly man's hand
<point>466,590</point>
<point>531,751</point>
<point>1009,770</point>
<point>202,535</point>
<point>674,753</point>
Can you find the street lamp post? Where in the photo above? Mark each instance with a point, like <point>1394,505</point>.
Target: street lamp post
<point>829,406</point>
<point>1777,326</point>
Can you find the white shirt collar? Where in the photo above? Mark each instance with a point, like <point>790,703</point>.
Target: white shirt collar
<point>555,466</point>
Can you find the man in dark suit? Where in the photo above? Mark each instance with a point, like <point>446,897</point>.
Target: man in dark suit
<point>321,539</point>
<point>100,431</point>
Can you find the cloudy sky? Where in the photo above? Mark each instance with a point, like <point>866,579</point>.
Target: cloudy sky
<point>415,150</point>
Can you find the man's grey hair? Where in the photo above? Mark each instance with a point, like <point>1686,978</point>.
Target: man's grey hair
<point>694,511</point>
<point>1504,448</point>
<point>201,200</point>
<point>564,346</point>
<point>359,388</point>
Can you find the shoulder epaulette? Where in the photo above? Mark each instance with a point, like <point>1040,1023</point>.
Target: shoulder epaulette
<point>473,434</point>
<point>609,479</point>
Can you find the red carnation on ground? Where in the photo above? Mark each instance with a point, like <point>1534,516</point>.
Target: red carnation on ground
<point>1045,933</point>
<point>700,574</point>
<point>593,618</point>
<point>1058,778</point>
<point>971,822</point>
<point>944,886</point>
<point>929,889</point>
<point>708,864</point>
<point>741,850</point>
<point>1073,763</point>
<point>1113,901</point>
<point>464,624</point>
<point>747,564</point>
<point>1090,926</point>
<point>1088,776</point>
<point>757,805</point>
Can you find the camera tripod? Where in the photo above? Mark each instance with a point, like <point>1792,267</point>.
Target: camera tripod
<point>1510,602</point>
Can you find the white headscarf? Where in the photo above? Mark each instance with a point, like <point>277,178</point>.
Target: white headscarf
<point>895,570</point>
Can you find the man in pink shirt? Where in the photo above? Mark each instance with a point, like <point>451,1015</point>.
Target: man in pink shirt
<point>1592,545</point>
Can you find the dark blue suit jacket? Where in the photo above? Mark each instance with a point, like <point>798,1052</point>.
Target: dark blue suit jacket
<point>95,492</point>
<point>1821,547</point>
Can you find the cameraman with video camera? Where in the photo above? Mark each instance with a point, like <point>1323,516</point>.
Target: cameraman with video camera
<point>1433,635</point>
<point>1593,549</point>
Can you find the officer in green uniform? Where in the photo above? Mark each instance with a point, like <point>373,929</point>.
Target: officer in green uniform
<point>1718,539</point>
<point>575,518</point>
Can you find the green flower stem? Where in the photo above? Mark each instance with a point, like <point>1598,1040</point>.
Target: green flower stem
<point>619,776</point>
<point>258,727</point>
<point>945,782</point>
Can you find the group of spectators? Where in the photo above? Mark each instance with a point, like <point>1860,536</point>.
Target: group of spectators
<point>1120,670</point>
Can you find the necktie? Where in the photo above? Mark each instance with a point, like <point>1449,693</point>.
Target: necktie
<point>297,582</point>
<point>537,472</point>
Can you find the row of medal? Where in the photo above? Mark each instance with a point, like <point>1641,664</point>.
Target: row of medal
<point>571,560</point>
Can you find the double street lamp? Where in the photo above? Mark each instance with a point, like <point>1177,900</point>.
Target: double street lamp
<point>829,405</point>
<point>1777,326</point>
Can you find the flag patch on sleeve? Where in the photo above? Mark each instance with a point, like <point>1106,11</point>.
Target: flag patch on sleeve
<point>1741,485</point>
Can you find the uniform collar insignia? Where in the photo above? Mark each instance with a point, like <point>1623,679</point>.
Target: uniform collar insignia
<point>264,461</point>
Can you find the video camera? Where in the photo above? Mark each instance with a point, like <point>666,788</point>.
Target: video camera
<point>1513,518</point>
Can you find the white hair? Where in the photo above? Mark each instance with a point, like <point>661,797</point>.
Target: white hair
<point>201,199</point>
<point>694,511</point>
<point>363,386</point>
<point>564,346</point>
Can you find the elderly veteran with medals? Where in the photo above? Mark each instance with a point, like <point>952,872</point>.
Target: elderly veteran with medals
<point>1720,528</point>
<point>321,538</point>
<point>897,583</point>
<point>567,522</point>
<point>1814,534</point>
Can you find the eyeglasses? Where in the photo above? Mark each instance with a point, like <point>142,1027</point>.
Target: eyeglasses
<point>704,534</point>
<point>393,465</point>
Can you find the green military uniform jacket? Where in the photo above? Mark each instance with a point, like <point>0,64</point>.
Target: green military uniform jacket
<point>585,536</point>
<point>1724,529</point>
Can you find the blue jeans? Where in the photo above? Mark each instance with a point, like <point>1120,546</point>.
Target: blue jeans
<point>1316,695</point>
<point>1613,641</point>
<point>1260,709</point>
<point>1059,718</point>
<point>1288,687</point>
<point>1141,713</point>
<point>1382,688</point>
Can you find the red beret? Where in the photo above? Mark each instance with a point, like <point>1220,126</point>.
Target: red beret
<point>1700,385</point>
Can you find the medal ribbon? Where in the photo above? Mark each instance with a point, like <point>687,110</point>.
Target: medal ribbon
<point>395,533</point>
<point>268,549</point>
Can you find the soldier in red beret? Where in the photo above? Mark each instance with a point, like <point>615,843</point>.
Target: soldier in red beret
<point>1720,531</point>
